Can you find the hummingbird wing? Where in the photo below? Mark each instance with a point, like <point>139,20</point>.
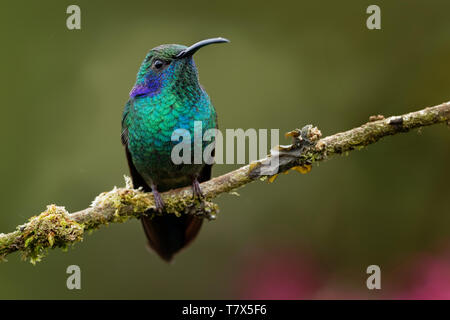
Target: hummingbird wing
<point>138,180</point>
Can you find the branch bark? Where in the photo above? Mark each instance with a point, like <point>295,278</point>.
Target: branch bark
<point>55,227</point>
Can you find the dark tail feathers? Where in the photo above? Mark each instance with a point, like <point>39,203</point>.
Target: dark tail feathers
<point>168,234</point>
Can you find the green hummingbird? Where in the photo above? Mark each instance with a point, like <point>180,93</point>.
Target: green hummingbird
<point>167,96</point>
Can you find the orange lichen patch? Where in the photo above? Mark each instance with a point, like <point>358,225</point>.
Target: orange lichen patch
<point>272,178</point>
<point>303,169</point>
<point>294,133</point>
<point>254,165</point>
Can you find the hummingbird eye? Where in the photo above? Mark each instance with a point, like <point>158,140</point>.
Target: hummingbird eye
<point>158,64</point>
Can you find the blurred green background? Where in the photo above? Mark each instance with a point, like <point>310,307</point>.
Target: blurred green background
<point>290,63</point>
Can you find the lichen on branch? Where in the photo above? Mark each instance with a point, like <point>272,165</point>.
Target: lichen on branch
<point>55,227</point>
<point>51,229</point>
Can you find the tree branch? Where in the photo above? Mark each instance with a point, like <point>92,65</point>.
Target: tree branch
<point>55,227</point>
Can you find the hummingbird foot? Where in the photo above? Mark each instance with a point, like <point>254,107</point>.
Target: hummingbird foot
<point>159,202</point>
<point>196,189</point>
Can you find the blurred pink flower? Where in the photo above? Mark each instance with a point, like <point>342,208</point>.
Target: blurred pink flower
<point>340,291</point>
<point>292,274</point>
<point>429,278</point>
<point>280,274</point>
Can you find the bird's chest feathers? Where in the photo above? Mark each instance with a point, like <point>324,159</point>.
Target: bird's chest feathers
<point>154,120</point>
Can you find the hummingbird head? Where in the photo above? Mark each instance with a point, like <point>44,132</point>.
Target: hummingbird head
<point>168,66</point>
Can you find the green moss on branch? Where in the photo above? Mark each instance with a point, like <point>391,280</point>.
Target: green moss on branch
<point>55,227</point>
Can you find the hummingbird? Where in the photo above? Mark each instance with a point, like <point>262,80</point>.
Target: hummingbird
<point>167,96</point>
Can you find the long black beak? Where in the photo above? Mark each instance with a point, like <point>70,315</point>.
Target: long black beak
<point>194,48</point>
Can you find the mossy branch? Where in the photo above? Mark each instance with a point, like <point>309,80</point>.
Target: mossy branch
<point>55,227</point>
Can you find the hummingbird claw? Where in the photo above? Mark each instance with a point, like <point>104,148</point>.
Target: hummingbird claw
<point>159,202</point>
<point>196,189</point>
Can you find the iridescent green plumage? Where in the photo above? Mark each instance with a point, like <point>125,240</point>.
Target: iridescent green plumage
<point>167,96</point>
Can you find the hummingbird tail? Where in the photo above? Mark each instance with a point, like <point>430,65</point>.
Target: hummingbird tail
<point>168,234</point>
